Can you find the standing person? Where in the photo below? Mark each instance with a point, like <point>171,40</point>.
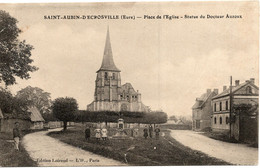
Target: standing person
<point>16,135</point>
<point>98,134</point>
<point>145,132</point>
<point>150,130</point>
<point>104,133</point>
<point>135,133</point>
<point>157,132</point>
<point>87,133</point>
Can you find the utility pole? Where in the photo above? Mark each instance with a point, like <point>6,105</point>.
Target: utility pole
<point>230,108</point>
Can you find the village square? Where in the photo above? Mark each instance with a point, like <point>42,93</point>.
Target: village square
<point>120,109</point>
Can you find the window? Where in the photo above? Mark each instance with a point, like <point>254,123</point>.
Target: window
<point>114,76</point>
<point>248,90</point>
<point>106,75</point>
<point>215,120</point>
<point>227,120</point>
<point>220,120</point>
<point>226,105</point>
<point>220,106</point>
<point>215,107</point>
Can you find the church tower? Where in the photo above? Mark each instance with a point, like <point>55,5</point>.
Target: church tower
<point>109,94</point>
<point>108,79</point>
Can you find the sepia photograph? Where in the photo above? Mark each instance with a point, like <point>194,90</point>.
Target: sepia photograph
<point>90,84</point>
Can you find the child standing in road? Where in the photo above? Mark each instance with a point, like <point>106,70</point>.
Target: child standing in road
<point>16,135</point>
<point>157,132</point>
<point>98,133</point>
<point>104,133</point>
<point>145,132</point>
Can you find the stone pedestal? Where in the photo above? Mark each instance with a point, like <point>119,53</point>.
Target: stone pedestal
<point>120,134</point>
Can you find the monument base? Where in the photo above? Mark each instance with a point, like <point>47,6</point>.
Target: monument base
<point>121,134</point>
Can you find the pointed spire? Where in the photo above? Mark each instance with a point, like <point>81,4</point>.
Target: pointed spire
<point>108,62</point>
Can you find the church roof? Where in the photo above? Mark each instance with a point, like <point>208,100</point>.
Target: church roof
<point>108,62</point>
<point>129,88</point>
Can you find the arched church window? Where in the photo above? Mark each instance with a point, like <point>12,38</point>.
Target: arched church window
<point>248,90</point>
<point>106,75</point>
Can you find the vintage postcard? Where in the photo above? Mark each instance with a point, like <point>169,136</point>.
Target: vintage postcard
<point>129,84</point>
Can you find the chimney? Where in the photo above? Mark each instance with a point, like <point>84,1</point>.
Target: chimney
<point>237,82</point>
<point>216,91</point>
<point>252,80</point>
<point>208,91</point>
<point>224,88</point>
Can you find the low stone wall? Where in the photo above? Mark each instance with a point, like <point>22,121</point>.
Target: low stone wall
<point>220,131</point>
<point>176,127</point>
<point>57,124</point>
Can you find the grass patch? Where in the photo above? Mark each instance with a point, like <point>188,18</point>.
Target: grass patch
<point>144,152</point>
<point>9,157</point>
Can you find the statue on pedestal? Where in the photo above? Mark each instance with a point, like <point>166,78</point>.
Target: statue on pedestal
<point>121,134</point>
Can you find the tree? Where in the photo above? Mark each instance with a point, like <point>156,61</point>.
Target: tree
<point>173,117</point>
<point>186,120</point>
<point>15,55</point>
<point>13,107</point>
<point>37,97</point>
<point>64,109</point>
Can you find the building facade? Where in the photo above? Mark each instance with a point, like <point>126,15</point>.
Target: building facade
<point>109,94</point>
<point>35,121</point>
<point>242,126</point>
<point>202,111</point>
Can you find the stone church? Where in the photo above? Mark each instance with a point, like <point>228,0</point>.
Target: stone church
<point>109,94</point>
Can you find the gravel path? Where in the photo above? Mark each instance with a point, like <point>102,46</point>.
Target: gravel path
<point>238,154</point>
<point>47,151</point>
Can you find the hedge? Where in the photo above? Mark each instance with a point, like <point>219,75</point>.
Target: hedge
<point>129,117</point>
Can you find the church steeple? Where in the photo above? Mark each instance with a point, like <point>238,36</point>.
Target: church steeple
<point>108,62</point>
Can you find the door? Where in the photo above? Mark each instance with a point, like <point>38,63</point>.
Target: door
<point>197,124</point>
<point>248,129</point>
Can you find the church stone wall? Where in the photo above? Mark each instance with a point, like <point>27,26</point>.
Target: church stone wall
<point>117,106</point>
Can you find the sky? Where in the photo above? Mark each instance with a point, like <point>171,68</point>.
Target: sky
<point>170,62</point>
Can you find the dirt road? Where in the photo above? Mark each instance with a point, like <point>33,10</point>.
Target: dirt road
<point>238,154</point>
<point>47,151</point>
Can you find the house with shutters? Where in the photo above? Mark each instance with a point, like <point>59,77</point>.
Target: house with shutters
<point>235,119</point>
<point>202,111</point>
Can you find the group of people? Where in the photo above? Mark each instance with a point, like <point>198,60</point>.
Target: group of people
<point>149,131</point>
<point>99,133</point>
